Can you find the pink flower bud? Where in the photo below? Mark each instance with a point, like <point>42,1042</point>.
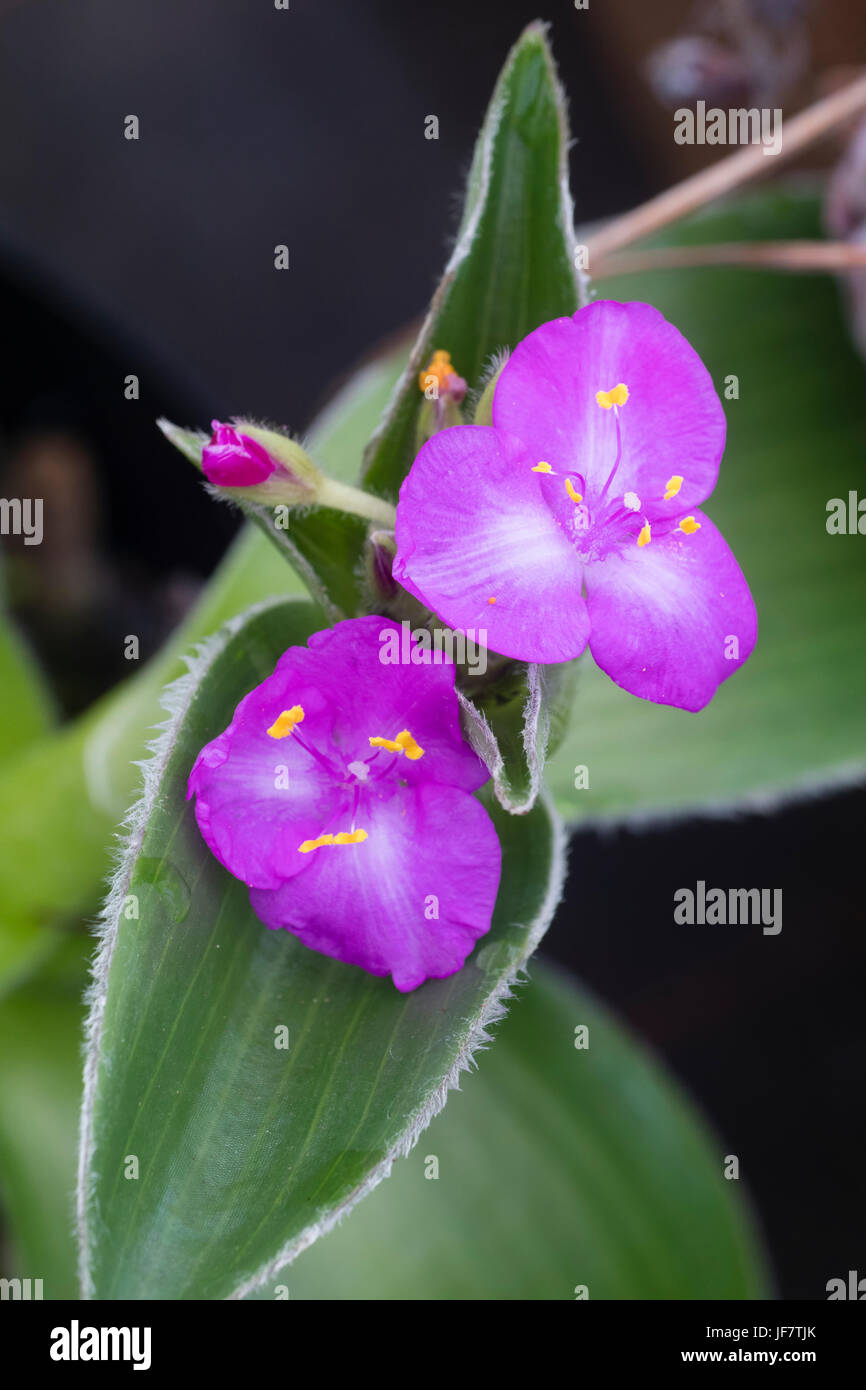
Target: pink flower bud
<point>232,459</point>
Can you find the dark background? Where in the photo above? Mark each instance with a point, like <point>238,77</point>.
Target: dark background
<point>155,257</point>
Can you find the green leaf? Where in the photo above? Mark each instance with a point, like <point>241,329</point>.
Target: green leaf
<point>27,710</point>
<point>40,1087</point>
<point>512,725</point>
<point>23,946</point>
<point>327,546</point>
<point>791,721</point>
<point>512,268</point>
<point>556,1167</point>
<point>62,797</point>
<point>248,1152</point>
<point>513,265</point>
<point>536,1107</point>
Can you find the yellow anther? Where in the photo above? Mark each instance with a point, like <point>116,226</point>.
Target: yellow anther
<point>403,743</point>
<point>617,395</point>
<point>645,535</point>
<point>285,722</point>
<point>390,743</point>
<point>350,837</point>
<point>306,845</point>
<point>542,467</point>
<point>689,526</point>
<point>672,486</point>
<point>439,367</point>
<point>491,600</point>
<point>572,492</point>
<point>413,750</point>
<point>344,837</point>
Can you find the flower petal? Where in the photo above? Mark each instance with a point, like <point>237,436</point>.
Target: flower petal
<point>673,424</point>
<point>373,695</point>
<point>411,900</point>
<point>671,620</point>
<point>258,797</point>
<point>232,459</point>
<point>478,544</point>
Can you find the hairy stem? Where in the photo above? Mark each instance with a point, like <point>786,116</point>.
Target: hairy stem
<point>344,498</point>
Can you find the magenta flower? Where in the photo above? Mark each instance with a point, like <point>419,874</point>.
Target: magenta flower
<point>341,793</point>
<point>573,518</point>
<point>232,459</point>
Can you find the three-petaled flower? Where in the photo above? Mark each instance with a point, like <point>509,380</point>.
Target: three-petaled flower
<point>341,794</point>
<point>606,434</point>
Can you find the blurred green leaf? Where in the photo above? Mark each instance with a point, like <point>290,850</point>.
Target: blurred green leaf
<point>555,1167</point>
<point>26,707</point>
<point>248,1151</point>
<point>40,1088</point>
<point>23,946</point>
<point>27,712</point>
<point>792,718</point>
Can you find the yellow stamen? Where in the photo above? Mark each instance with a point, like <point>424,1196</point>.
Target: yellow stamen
<point>617,395</point>
<point>573,494</point>
<point>542,467</point>
<point>689,526</point>
<point>285,722</point>
<point>672,486</point>
<point>646,535</point>
<point>350,837</point>
<point>344,837</point>
<point>389,743</point>
<point>413,750</point>
<point>403,743</point>
<point>491,600</point>
<point>439,367</point>
<point>306,845</point>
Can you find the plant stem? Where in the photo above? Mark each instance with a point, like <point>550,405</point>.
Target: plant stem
<point>729,173</point>
<point>344,498</point>
<point>774,255</point>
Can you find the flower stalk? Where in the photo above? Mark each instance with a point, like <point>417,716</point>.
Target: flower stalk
<point>730,173</point>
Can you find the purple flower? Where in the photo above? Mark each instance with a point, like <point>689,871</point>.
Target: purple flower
<point>232,459</point>
<point>607,432</point>
<point>341,793</point>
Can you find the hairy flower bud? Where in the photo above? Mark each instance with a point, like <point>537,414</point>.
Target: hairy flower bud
<point>444,390</point>
<point>259,465</point>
